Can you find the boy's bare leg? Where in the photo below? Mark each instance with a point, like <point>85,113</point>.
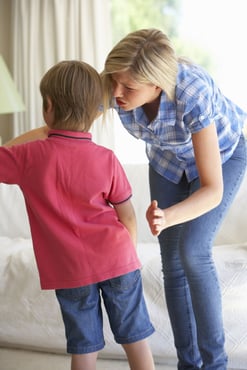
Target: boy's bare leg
<point>86,361</point>
<point>139,355</point>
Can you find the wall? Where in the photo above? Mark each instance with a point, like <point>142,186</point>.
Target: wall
<point>6,125</point>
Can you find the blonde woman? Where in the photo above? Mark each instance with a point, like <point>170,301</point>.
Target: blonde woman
<point>197,160</point>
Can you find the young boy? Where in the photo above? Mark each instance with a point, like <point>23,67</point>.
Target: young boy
<point>82,220</point>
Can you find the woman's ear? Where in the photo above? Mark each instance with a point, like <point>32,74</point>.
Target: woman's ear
<point>158,89</point>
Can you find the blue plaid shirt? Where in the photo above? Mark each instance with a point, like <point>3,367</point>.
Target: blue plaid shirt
<point>198,102</point>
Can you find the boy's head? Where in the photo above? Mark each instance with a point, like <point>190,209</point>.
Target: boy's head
<point>72,95</point>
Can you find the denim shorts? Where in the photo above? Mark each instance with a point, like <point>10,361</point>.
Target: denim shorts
<point>125,306</point>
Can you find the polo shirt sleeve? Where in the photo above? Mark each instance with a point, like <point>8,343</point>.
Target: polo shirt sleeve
<point>120,188</point>
<point>10,169</point>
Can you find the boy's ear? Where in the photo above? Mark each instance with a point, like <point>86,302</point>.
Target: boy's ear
<point>49,104</point>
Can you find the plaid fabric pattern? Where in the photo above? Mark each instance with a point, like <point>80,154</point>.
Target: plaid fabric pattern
<point>198,102</point>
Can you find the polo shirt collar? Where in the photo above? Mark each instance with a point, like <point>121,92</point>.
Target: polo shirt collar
<point>66,134</point>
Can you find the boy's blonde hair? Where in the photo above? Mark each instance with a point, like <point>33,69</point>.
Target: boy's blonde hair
<point>148,56</point>
<point>75,90</point>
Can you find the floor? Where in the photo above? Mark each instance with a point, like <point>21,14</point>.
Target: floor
<point>14,359</point>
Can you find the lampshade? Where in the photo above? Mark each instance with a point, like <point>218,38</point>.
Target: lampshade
<point>10,99</point>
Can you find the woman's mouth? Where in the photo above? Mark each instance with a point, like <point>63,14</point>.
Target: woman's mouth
<point>120,102</point>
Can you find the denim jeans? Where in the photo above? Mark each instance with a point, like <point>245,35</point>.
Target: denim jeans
<point>125,305</point>
<point>191,284</point>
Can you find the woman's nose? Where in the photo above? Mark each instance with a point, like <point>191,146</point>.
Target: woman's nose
<point>117,91</point>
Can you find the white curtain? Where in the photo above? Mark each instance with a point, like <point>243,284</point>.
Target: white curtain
<point>48,31</point>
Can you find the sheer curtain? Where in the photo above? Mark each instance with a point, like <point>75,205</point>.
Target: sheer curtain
<point>47,31</point>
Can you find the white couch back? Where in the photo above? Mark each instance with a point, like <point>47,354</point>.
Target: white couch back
<point>14,221</point>
<point>13,217</point>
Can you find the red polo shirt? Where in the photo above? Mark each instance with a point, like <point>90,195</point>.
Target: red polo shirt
<point>69,184</point>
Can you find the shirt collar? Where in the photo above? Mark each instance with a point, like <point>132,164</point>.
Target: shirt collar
<point>66,134</point>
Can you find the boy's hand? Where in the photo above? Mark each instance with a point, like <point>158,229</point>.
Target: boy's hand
<point>156,218</point>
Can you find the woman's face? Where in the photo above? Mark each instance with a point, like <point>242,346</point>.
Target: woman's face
<point>130,94</point>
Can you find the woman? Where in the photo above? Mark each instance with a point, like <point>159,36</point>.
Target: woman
<point>197,160</point>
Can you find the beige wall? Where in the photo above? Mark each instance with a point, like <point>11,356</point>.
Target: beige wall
<point>6,127</point>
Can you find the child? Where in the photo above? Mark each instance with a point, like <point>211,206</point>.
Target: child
<point>82,220</point>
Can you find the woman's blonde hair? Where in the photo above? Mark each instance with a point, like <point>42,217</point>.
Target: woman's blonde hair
<point>75,90</point>
<point>148,56</point>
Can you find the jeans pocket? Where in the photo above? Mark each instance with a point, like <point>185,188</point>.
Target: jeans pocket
<point>73,294</point>
<point>125,282</point>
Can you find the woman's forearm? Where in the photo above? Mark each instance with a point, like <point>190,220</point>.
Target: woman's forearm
<point>35,134</point>
<point>197,204</point>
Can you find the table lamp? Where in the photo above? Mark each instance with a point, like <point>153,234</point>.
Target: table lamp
<point>10,99</point>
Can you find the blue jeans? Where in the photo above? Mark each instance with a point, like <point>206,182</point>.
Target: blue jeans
<point>191,284</point>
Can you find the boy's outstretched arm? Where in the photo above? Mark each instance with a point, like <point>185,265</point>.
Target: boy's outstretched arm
<point>126,215</point>
<point>35,134</point>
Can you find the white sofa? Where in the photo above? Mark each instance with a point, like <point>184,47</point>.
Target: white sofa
<point>30,318</point>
